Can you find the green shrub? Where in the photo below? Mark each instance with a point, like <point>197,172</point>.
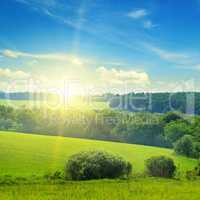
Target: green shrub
<point>197,169</point>
<point>190,175</point>
<point>196,149</point>
<point>184,146</point>
<point>96,165</point>
<point>193,174</point>
<point>54,176</point>
<point>161,166</point>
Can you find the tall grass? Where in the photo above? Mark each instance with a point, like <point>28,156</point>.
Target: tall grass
<point>143,189</point>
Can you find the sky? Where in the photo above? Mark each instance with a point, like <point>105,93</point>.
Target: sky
<point>100,46</point>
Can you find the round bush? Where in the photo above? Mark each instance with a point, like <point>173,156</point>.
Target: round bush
<point>185,146</point>
<point>96,165</point>
<point>161,166</point>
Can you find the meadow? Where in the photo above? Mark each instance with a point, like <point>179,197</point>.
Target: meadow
<point>24,155</point>
<point>28,156</point>
<point>142,189</point>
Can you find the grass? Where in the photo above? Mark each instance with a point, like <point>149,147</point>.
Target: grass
<point>143,189</point>
<point>24,155</point>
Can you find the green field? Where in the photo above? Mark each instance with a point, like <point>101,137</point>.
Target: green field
<point>144,189</point>
<point>26,155</point>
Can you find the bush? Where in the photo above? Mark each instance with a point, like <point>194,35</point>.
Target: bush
<point>190,175</point>
<point>193,174</point>
<point>196,149</point>
<point>96,165</point>
<point>161,167</point>
<point>54,176</point>
<point>184,146</point>
<point>197,169</point>
<point>175,130</point>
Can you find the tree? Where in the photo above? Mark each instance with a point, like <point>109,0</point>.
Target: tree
<point>147,134</point>
<point>170,117</point>
<point>28,119</point>
<point>184,146</point>
<point>175,130</point>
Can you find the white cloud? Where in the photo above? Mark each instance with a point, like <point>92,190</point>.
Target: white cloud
<point>6,73</point>
<point>51,8</point>
<point>141,14</point>
<point>184,60</point>
<point>47,3</point>
<point>120,77</point>
<point>11,54</point>
<point>52,56</point>
<point>137,14</point>
<point>168,55</point>
<point>148,24</point>
<point>67,21</point>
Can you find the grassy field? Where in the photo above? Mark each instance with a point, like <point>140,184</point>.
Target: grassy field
<point>143,189</point>
<point>26,155</point>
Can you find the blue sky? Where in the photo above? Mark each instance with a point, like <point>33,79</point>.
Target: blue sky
<point>144,45</point>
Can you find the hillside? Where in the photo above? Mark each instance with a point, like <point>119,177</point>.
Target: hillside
<point>186,102</point>
<point>26,154</point>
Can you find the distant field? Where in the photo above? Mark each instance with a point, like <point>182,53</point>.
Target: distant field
<point>26,155</point>
<point>16,102</point>
<point>54,104</point>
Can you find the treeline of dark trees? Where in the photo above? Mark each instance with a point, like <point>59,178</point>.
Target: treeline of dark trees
<point>168,130</point>
<point>186,102</point>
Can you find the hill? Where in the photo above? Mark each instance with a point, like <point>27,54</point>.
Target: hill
<point>26,154</point>
<point>186,102</point>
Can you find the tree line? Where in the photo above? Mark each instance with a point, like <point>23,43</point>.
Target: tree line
<point>185,102</point>
<point>172,130</point>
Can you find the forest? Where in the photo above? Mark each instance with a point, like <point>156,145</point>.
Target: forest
<point>186,102</point>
